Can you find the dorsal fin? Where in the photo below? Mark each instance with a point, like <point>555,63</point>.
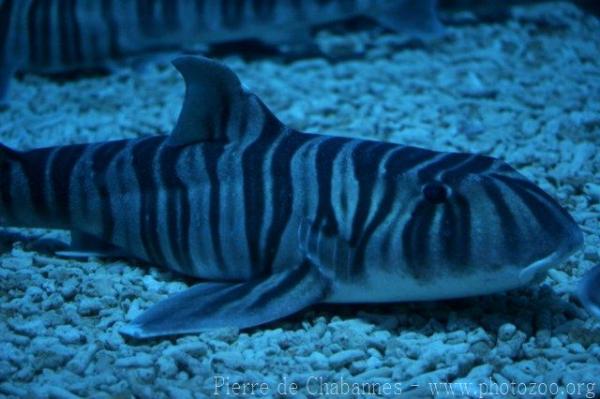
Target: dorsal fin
<point>216,106</point>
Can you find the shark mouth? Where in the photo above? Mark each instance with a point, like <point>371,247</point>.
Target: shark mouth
<point>537,270</point>
<point>570,244</point>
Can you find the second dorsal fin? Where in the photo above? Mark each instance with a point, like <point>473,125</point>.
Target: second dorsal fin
<point>216,106</point>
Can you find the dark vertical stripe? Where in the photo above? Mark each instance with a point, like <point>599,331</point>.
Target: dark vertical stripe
<point>403,159</point>
<point>61,170</point>
<point>462,239</point>
<point>383,211</point>
<point>35,166</point>
<point>112,28</point>
<point>44,15</point>
<point>65,22</point>
<point>6,165</point>
<point>286,283</point>
<point>144,152</point>
<point>145,14</point>
<point>102,156</point>
<point>508,223</point>
<point>170,10</point>
<point>366,159</point>
<point>253,158</point>
<point>282,190</point>
<point>212,153</point>
<point>448,234</point>
<point>6,9</point>
<point>178,207</point>
<point>415,240</point>
<point>200,14</point>
<point>455,232</point>
<point>34,35</point>
<point>93,43</point>
<point>232,13</point>
<point>263,10</point>
<point>77,50</point>
<point>327,151</point>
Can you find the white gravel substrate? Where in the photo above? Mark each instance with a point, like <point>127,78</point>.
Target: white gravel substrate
<point>526,90</point>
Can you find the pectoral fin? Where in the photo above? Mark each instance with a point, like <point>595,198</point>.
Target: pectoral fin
<point>242,305</point>
<point>85,245</point>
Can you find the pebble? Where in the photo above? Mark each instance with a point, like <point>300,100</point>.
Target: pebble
<point>34,294</point>
<point>506,331</point>
<point>8,351</point>
<point>18,261</point>
<point>135,309</point>
<point>231,360</point>
<point>139,360</point>
<point>593,190</point>
<point>8,388</point>
<point>55,392</point>
<point>69,289</point>
<point>479,334</point>
<point>50,352</point>
<point>343,358</point>
<point>512,347</point>
<point>371,373</point>
<point>30,328</point>
<point>178,393</point>
<point>54,301</point>
<point>167,367</point>
<point>68,335</point>
<point>318,361</point>
<point>480,372</point>
<point>90,306</point>
<point>197,348</point>
<point>82,359</point>
<point>6,370</point>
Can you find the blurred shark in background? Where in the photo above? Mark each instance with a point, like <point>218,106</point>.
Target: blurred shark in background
<point>589,291</point>
<point>62,36</point>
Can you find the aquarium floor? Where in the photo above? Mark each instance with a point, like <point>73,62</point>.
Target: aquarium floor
<point>526,90</point>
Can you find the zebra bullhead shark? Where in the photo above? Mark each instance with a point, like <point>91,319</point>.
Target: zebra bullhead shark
<point>275,220</point>
<point>59,36</point>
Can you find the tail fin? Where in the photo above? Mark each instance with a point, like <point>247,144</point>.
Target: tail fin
<point>417,19</point>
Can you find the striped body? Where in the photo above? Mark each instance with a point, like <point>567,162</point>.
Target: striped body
<point>228,212</point>
<point>233,195</point>
<point>57,36</point>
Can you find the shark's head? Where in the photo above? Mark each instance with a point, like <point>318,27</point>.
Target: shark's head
<point>465,216</point>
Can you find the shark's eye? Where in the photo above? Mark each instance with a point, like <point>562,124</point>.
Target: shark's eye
<point>435,192</point>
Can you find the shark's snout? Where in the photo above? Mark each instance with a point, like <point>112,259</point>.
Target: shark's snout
<point>548,233</point>
<point>570,243</point>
